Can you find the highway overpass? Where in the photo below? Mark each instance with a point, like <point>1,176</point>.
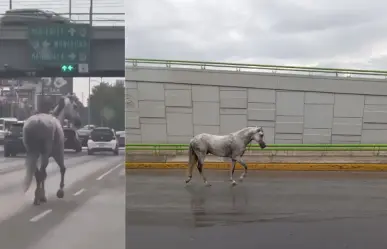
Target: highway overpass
<point>106,54</point>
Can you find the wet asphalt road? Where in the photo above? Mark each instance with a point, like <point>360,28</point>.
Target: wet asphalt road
<point>89,216</point>
<point>292,210</point>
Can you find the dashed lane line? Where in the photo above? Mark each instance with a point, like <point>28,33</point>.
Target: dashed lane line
<point>108,172</point>
<point>40,216</point>
<point>79,192</point>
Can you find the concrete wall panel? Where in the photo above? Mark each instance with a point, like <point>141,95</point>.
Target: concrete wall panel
<point>205,93</point>
<point>233,99</point>
<point>347,126</point>
<point>319,98</point>
<point>210,129</point>
<point>261,95</point>
<point>232,123</point>
<point>350,106</point>
<point>150,91</point>
<point>152,109</point>
<point>290,103</point>
<point>179,124</point>
<point>206,113</point>
<point>180,98</point>
<point>261,111</point>
<point>154,133</point>
<point>289,124</point>
<point>318,116</point>
<point>374,137</point>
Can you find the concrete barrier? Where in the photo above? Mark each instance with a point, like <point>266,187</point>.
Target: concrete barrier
<point>294,160</point>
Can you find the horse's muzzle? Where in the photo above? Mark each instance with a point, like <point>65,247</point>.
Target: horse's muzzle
<point>262,145</point>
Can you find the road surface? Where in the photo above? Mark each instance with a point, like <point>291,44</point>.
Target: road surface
<point>291,210</point>
<point>91,215</point>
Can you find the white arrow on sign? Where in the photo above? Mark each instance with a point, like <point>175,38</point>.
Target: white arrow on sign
<point>72,31</point>
<point>72,56</point>
<point>59,82</point>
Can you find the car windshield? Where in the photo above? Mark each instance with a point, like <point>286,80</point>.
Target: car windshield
<point>16,128</point>
<point>98,132</point>
<point>69,133</point>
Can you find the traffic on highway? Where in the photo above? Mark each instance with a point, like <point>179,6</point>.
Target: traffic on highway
<point>93,204</point>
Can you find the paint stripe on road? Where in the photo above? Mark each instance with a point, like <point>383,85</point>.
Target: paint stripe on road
<point>79,192</point>
<point>108,172</point>
<point>40,216</point>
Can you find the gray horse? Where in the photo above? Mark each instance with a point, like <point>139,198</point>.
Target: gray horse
<point>43,137</point>
<point>232,146</point>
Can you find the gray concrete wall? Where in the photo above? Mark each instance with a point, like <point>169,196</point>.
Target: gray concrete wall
<point>168,107</point>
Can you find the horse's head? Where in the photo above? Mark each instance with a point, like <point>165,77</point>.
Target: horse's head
<point>68,108</point>
<point>258,136</point>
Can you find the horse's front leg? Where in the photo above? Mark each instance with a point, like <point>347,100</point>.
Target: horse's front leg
<point>244,165</point>
<point>232,169</point>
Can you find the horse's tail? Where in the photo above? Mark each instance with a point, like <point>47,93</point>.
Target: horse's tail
<point>33,145</point>
<point>192,159</point>
<point>31,166</point>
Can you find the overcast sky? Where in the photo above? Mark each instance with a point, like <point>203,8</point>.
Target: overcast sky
<point>78,6</point>
<point>324,33</point>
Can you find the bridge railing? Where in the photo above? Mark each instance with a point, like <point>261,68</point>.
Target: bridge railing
<point>311,71</point>
<point>98,19</point>
<point>156,148</point>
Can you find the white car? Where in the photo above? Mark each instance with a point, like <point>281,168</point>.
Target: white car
<point>102,139</point>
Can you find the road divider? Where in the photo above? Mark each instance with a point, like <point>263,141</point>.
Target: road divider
<point>267,166</point>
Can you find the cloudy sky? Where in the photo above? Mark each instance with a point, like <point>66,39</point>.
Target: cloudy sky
<point>77,6</point>
<point>324,33</point>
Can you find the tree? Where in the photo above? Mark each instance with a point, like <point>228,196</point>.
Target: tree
<point>107,105</point>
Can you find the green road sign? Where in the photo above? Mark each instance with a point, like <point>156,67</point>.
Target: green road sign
<point>59,44</point>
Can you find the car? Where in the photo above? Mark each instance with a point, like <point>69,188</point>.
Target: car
<point>121,138</point>
<point>23,17</point>
<point>84,136</point>
<point>13,140</point>
<point>72,140</point>
<point>102,139</point>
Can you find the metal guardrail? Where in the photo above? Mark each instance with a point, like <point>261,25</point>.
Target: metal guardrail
<point>202,65</point>
<point>98,19</point>
<point>271,147</point>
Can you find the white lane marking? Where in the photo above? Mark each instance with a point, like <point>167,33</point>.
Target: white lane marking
<point>108,172</point>
<point>40,216</point>
<point>79,192</point>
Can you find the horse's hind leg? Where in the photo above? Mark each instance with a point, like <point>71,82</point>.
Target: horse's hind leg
<point>60,161</point>
<point>43,175</point>
<point>38,189</point>
<point>200,169</point>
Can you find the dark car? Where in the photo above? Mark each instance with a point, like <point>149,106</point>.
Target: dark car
<point>102,139</point>
<point>13,140</point>
<point>17,17</point>
<point>72,140</point>
<point>84,136</point>
<point>121,138</point>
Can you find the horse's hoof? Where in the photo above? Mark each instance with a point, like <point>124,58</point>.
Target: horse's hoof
<point>233,183</point>
<point>60,193</point>
<point>43,199</point>
<point>36,202</point>
<point>241,179</point>
<point>207,184</point>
